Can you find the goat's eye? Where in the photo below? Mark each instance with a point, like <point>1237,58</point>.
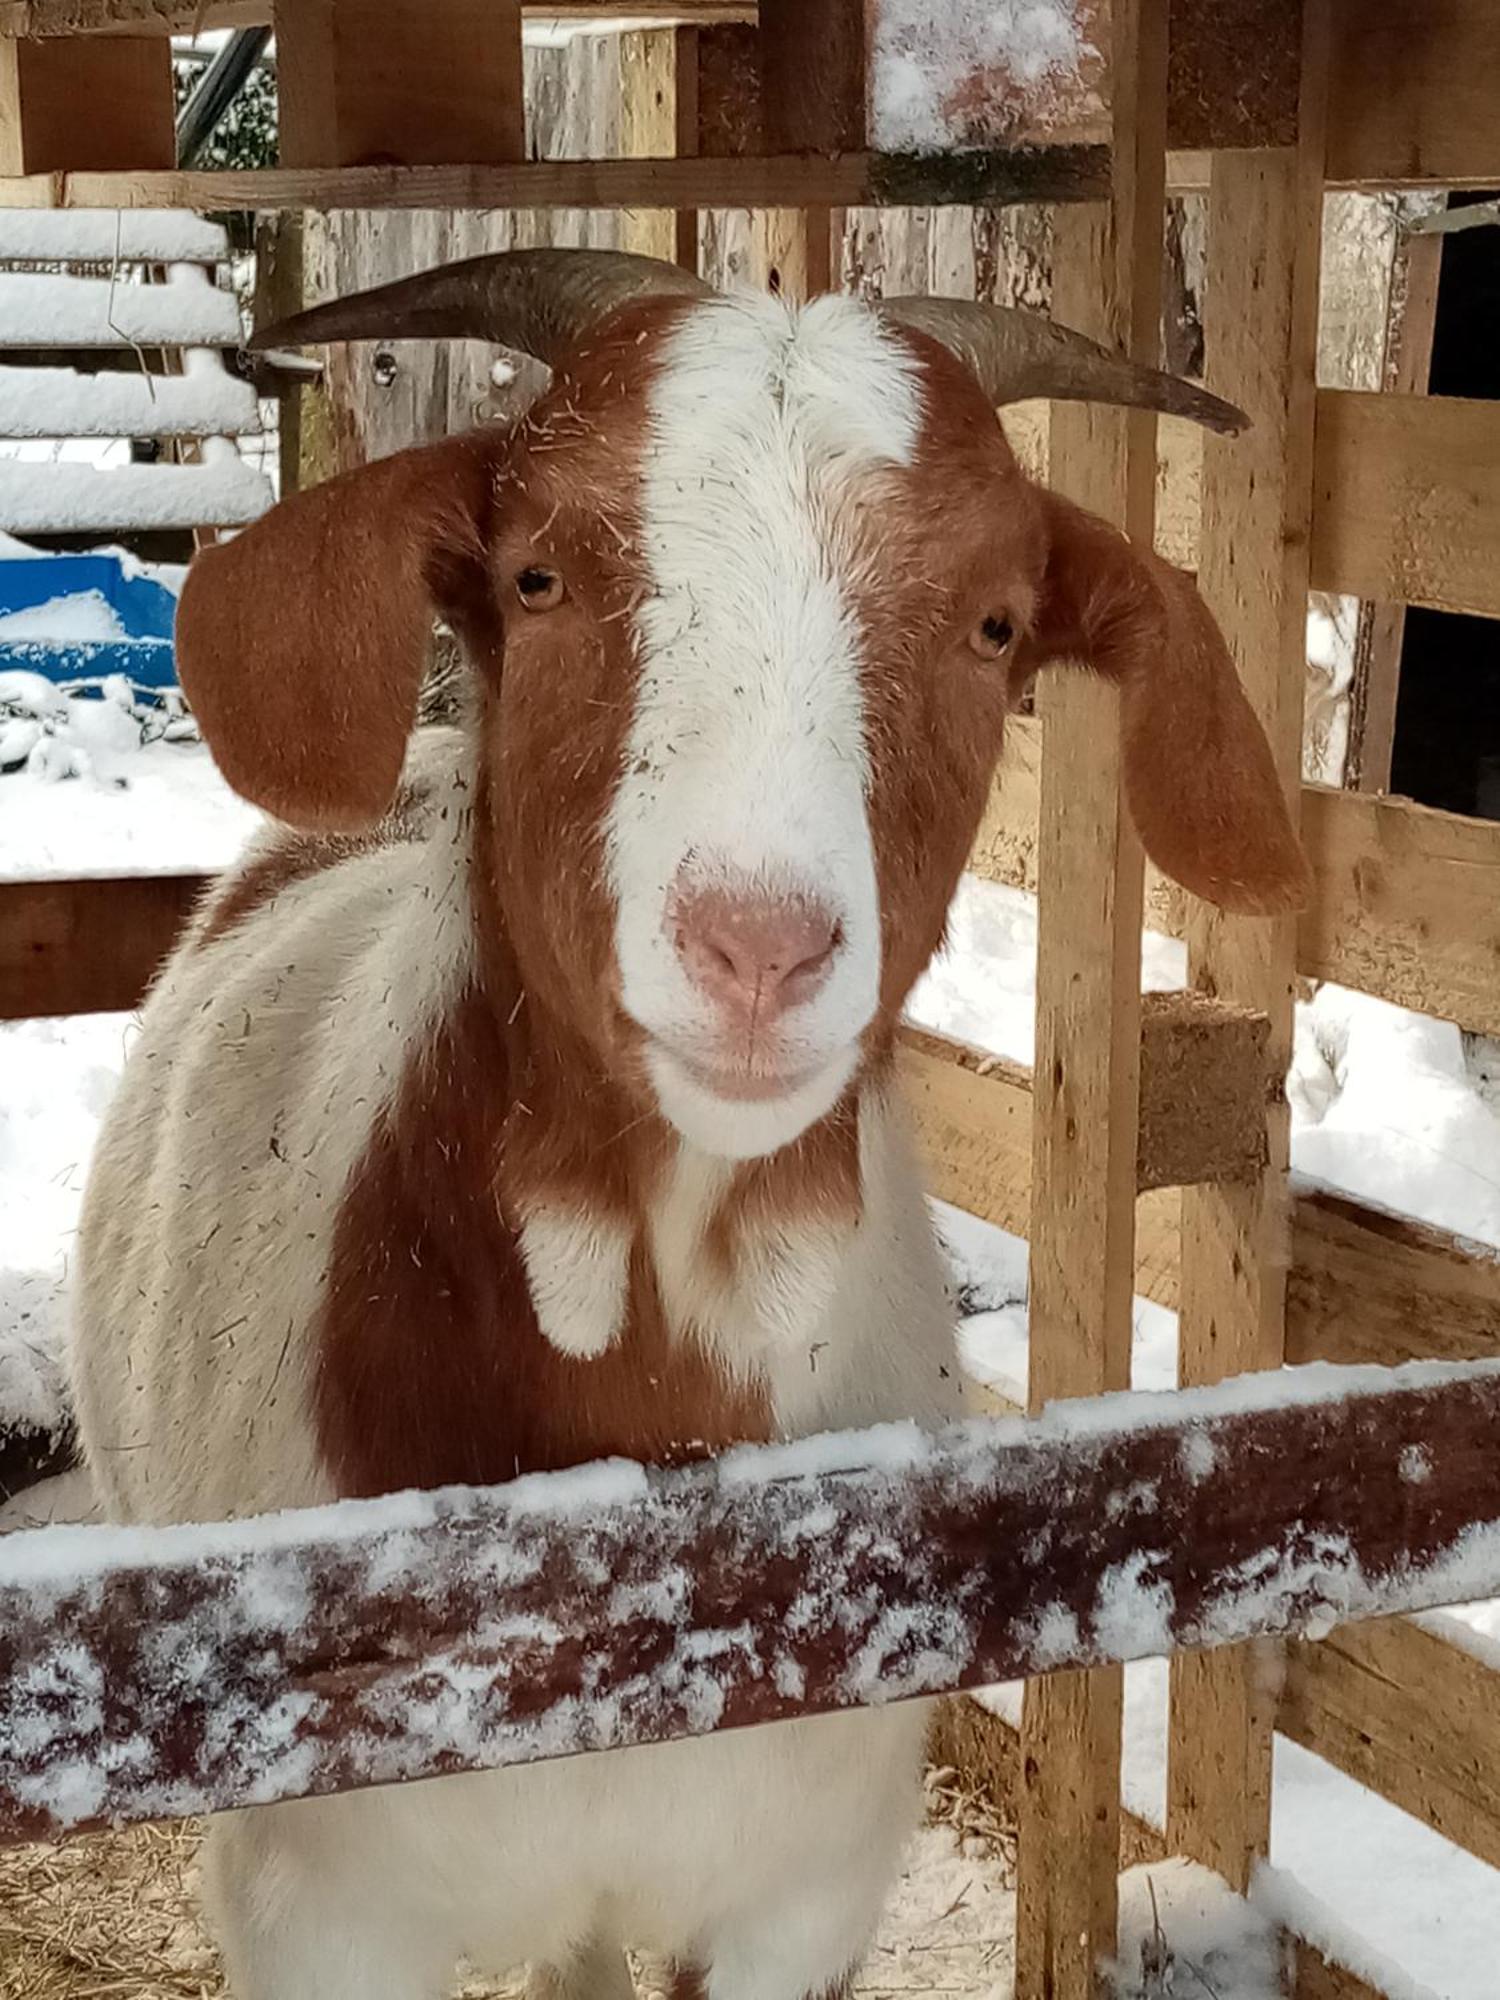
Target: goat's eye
<point>991,638</point>
<point>540,589</point>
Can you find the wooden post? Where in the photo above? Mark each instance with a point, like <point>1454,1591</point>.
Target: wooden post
<point>409,82</point>
<point>1084,1133</point>
<point>1265,217</point>
<point>1411,321</point>
<point>812,69</point>
<point>685,138</point>
<point>649,129</point>
<point>93,103</point>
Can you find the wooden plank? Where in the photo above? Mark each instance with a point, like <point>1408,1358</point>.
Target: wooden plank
<point>1260,333</point>
<point>649,128</point>
<point>1107,282</point>
<point>506,1599</point>
<point>1407,905</point>
<point>43,310</point>
<point>1407,1714</point>
<point>191,17</point>
<point>1411,321</point>
<point>1406,900</point>
<point>1064,174</point>
<point>1407,504</point>
<point>1415,102</point>
<point>1203,1084</point>
<point>1366,1286</point>
<point>414,82</point>
<point>97,105</point>
<point>103,238</point>
<point>687,117</point>
<point>87,947</point>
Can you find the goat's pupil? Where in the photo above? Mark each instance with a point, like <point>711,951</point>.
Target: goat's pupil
<point>533,582</point>
<point>998,632</point>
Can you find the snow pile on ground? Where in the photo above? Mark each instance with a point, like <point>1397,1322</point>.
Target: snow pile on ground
<point>1184,1934</point>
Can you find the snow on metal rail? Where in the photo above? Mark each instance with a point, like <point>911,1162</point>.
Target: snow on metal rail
<point>152,1672</point>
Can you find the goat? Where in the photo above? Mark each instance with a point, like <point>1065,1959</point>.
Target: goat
<point>526,1096</point>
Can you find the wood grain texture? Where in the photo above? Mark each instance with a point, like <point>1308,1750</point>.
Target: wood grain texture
<point>1062,173</point>
<point>1106,282</point>
<point>399,82</point>
<point>1415,102</point>
<point>1408,1714</point>
<point>506,1600</point>
<point>1260,335</point>
<point>650,128</point>
<point>1408,499</point>
<point>125,84</point>
<point>1364,1286</point>
<point>1407,904</point>
<point>87,947</point>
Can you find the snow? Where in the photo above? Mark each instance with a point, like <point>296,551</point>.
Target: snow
<point>83,614</point>
<point>1185,1934</point>
<point>44,309</point>
<point>119,403</point>
<point>58,496</point>
<point>923,74</point>
<point>100,235</point>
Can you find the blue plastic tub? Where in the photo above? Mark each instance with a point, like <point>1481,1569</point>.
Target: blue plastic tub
<point>143,607</point>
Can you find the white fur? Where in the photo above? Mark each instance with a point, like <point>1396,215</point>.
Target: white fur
<point>577,1271</point>
<point>264,1063</point>
<point>745,766</point>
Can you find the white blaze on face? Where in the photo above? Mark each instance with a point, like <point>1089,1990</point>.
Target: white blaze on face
<point>745,767</point>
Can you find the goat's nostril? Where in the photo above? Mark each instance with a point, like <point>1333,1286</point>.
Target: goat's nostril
<point>755,954</point>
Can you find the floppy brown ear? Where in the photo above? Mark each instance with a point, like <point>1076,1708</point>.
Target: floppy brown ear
<point>1199,776</point>
<point>301,643</point>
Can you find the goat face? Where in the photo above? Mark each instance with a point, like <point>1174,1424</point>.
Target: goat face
<point>746,710</point>
<point>748,592</point>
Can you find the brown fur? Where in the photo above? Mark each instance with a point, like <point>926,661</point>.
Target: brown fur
<point>433,1366</point>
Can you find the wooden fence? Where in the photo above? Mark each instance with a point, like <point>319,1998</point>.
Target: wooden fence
<point>1266,104</point>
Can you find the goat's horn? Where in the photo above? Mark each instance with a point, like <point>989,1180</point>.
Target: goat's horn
<point>1017,354</point>
<point>536,302</point>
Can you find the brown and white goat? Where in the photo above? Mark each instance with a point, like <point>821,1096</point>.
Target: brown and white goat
<point>536,1105</point>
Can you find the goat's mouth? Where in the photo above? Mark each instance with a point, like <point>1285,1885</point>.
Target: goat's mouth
<point>742,1110</point>
<point>747,1083</point>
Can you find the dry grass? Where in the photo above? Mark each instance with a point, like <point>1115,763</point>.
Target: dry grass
<point>107,1916</point>
<point>113,1916</point>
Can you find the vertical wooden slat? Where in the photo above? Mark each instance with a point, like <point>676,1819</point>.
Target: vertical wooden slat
<point>685,137</point>
<point>1261,300</point>
<point>812,68</point>
<point>1086,1078</point>
<point>125,83</point>
<point>1410,326</point>
<point>409,82</point>
<point>648,130</point>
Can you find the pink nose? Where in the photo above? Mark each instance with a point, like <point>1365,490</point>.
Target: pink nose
<point>755,956</point>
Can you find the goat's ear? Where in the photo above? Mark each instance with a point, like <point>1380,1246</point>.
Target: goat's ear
<point>1199,777</point>
<point>301,643</point>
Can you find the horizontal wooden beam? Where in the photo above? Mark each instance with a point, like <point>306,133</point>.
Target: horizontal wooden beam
<point>1406,503</point>
<point>191,17</point>
<point>1041,174</point>
<point>427,1634</point>
<point>1364,1286</point>
<point>1406,900</point>
<point>1204,1083</point>
<point>1407,1714</point>
<point>89,946</point>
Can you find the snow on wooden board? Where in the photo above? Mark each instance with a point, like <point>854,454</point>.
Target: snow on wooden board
<point>58,497</point>
<point>100,235</point>
<point>156,1672</point>
<point>120,403</point>
<point>984,73</point>
<point>42,309</point>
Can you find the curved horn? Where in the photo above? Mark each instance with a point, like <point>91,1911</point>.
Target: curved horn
<point>535,302</point>
<point>1018,354</point>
